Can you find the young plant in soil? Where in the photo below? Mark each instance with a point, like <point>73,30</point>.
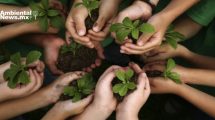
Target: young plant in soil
<point>45,15</point>
<point>130,29</point>
<point>75,57</point>
<point>124,83</point>
<point>80,88</point>
<point>93,11</point>
<point>17,74</point>
<point>168,73</point>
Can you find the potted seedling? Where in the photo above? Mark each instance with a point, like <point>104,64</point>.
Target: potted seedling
<point>80,88</point>
<point>124,83</point>
<point>130,29</point>
<point>93,11</point>
<point>17,74</point>
<point>75,57</point>
<point>45,15</point>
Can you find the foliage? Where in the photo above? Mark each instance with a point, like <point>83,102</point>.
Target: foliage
<point>85,86</point>
<point>129,28</point>
<point>46,15</point>
<point>126,84</point>
<point>89,4</point>
<point>168,72</point>
<point>17,74</point>
<point>172,37</point>
<point>72,47</point>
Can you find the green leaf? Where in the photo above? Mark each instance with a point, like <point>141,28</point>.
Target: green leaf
<point>76,97</point>
<point>42,13</point>
<point>121,35</point>
<point>127,22</point>
<point>131,85</point>
<point>116,88</point>
<point>116,27</point>
<point>69,90</point>
<point>93,5</point>
<point>53,12</point>
<point>16,58</point>
<point>120,74</point>
<point>57,22</point>
<point>32,57</point>
<point>78,4</point>
<point>45,3</point>
<point>10,74</point>
<point>129,74</point>
<point>87,91</point>
<point>175,77</point>
<point>123,91</point>
<point>135,33</point>
<point>172,42</point>
<point>12,83</point>
<point>35,6</point>
<point>23,77</point>
<point>136,23</point>
<point>170,64</point>
<point>43,23</point>
<point>147,28</point>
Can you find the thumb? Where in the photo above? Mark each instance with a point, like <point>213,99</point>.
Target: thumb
<point>99,24</point>
<point>84,102</point>
<point>144,38</point>
<point>80,25</point>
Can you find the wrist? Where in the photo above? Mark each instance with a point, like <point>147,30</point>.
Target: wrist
<point>185,53</point>
<point>123,115</point>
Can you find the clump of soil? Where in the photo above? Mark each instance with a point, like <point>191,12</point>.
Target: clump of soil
<point>89,22</point>
<point>116,81</point>
<point>83,58</point>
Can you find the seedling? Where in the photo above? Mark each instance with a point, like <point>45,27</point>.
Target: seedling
<point>17,74</point>
<point>168,73</point>
<point>172,37</point>
<point>130,29</point>
<point>84,87</point>
<point>89,4</point>
<point>72,47</point>
<point>126,84</point>
<point>46,15</point>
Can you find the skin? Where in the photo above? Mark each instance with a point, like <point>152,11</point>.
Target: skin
<point>147,42</point>
<point>46,96</point>
<point>36,76</point>
<point>199,99</point>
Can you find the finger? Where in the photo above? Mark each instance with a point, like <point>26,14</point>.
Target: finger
<point>34,64</point>
<point>154,67</point>
<point>80,24</point>
<point>135,67</point>
<point>68,36</point>
<point>93,66</point>
<point>100,51</point>
<point>110,69</point>
<point>155,58</point>
<point>40,67</point>
<point>84,102</point>
<point>144,38</point>
<point>54,70</point>
<point>142,78</point>
<point>152,43</point>
<point>100,34</point>
<point>69,77</point>
<point>100,23</point>
<point>98,62</point>
<point>95,38</point>
<point>88,69</point>
<point>105,81</point>
<point>128,50</point>
<point>39,81</point>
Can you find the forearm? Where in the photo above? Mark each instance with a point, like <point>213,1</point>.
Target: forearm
<point>54,114</point>
<point>201,100</point>
<point>26,104</point>
<point>8,8</point>
<point>175,8</point>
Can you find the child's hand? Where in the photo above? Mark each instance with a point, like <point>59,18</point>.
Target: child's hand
<point>34,27</point>
<point>161,65</point>
<point>144,12</point>
<point>51,52</point>
<point>65,109</point>
<point>164,52</point>
<point>75,25</point>
<point>129,108</point>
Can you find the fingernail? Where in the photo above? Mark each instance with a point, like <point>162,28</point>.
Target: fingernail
<point>122,51</point>
<point>81,32</point>
<point>140,43</point>
<point>95,27</point>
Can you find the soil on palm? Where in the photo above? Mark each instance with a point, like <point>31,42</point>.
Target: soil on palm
<point>83,58</point>
<point>154,73</point>
<point>89,22</point>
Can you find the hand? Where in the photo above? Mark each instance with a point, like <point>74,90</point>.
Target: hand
<point>103,98</point>
<point>161,65</point>
<point>54,90</point>
<point>129,108</point>
<point>144,12</point>
<point>75,25</point>
<point>34,27</point>
<point>51,52</point>
<point>148,41</point>
<point>160,85</point>
<point>64,109</point>
<point>23,90</point>
<point>164,52</point>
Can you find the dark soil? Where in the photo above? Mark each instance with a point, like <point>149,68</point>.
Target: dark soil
<point>116,81</point>
<point>83,58</point>
<point>90,21</point>
<point>154,73</point>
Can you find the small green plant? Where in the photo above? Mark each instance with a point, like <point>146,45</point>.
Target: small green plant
<point>126,83</point>
<point>84,87</point>
<point>89,4</point>
<point>168,72</point>
<point>172,37</point>
<point>72,47</point>
<point>17,74</point>
<point>129,28</point>
<point>46,15</point>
